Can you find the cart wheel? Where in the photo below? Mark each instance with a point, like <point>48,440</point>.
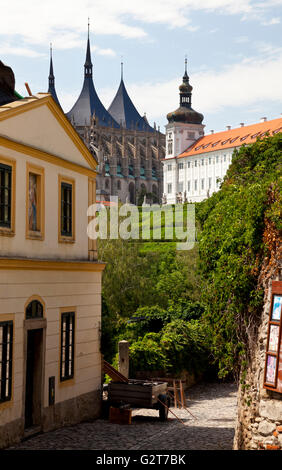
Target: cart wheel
<point>163,410</point>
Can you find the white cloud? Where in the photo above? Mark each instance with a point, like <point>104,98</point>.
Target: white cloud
<point>271,22</point>
<point>8,49</point>
<point>64,22</point>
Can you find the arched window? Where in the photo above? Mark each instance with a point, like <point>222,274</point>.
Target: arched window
<point>34,310</point>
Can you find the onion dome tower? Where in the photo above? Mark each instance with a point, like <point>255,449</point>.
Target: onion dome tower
<point>88,102</point>
<point>184,124</point>
<point>124,112</point>
<point>51,79</point>
<point>185,112</point>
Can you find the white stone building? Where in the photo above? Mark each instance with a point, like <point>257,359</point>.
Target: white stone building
<point>196,164</point>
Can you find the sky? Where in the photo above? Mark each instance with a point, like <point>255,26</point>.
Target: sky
<point>233,47</point>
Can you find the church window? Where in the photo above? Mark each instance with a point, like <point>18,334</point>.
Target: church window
<point>107,169</point>
<point>169,148</point>
<point>191,135</point>
<point>119,169</point>
<point>118,185</point>
<point>154,172</point>
<point>67,346</point>
<point>130,170</point>
<point>6,350</point>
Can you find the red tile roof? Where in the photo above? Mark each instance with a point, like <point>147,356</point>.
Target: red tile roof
<point>233,137</point>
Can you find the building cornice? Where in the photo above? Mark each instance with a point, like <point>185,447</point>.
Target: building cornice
<point>50,265</point>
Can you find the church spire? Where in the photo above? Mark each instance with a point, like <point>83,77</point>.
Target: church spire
<point>51,78</point>
<point>88,67</point>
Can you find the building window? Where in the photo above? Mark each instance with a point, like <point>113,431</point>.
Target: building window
<point>210,183</point>
<point>35,203</point>
<point>180,187</point>
<point>195,185</point>
<point>224,157</point>
<point>107,169</point>
<point>189,186</point>
<point>154,173</point>
<point>196,163</point>
<point>203,162</point>
<point>118,185</point>
<point>67,346</point>
<point>130,170</point>
<point>180,166</point>
<point>217,159</point>
<point>203,183</point>
<point>210,161</point>
<point>6,352</point>
<point>169,167</point>
<point>5,196</point>
<point>169,188</point>
<point>188,164</point>
<point>34,310</point>
<point>66,210</point>
<point>169,148</point>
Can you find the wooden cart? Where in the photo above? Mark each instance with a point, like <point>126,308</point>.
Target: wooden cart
<point>140,394</point>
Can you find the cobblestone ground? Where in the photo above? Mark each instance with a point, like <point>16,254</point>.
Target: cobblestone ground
<point>211,427</point>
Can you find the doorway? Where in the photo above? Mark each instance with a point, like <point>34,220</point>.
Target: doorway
<point>33,385</point>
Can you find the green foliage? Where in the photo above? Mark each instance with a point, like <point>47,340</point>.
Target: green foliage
<point>178,346</point>
<point>232,249</point>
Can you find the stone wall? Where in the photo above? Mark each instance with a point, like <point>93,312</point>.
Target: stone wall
<point>259,421</point>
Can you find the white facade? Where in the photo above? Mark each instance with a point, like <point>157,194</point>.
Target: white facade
<point>195,178</point>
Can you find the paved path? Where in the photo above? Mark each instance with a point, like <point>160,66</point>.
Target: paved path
<point>214,405</point>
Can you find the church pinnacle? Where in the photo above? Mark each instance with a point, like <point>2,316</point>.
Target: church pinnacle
<point>51,79</point>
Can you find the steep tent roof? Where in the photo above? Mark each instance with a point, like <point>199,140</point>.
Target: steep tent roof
<point>124,112</point>
<point>88,102</point>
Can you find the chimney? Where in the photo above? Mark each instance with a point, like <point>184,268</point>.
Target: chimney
<point>212,131</point>
<point>263,119</point>
<point>228,128</point>
<point>242,124</point>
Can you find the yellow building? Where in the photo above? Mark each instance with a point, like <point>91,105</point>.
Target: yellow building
<point>50,279</point>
